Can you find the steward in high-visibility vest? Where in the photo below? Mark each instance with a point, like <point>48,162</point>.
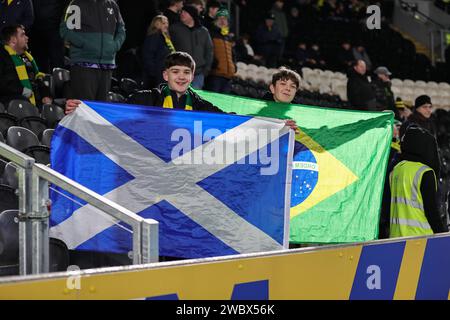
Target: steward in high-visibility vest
<point>413,186</point>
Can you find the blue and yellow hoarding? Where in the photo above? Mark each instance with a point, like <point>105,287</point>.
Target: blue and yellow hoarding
<point>410,268</point>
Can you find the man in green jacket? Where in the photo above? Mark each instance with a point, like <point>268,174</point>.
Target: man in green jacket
<point>95,31</point>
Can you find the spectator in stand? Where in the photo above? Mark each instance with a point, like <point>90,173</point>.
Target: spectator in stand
<point>293,21</point>
<point>93,47</point>
<point>173,11</point>
<point>423,109</point>
<point>359,91</point>
<point>269,39</point>
<point>315,57</point>
<point>345,56</point>
<point>404,110</point>
<point>191,37</point>
<point>302,55</point>
<point>281,22</point>
<point>224,67</point>
<point>245,52</point>
<point>197,4</point>
<point>14,12</point>
<point>413,187</point>
<point>213,7</point>
<point>46,43</point>
<point>157,46</point>
<point>359,53</point>
<point>19,74</point>
<point>383,92</point>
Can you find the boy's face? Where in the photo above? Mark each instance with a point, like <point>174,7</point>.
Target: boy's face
<point>283,90</point>
<point>178,78</point>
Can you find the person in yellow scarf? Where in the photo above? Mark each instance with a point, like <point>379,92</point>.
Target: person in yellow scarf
<point>19,74</point>
<point>157,46</point>
<point>224,66</point>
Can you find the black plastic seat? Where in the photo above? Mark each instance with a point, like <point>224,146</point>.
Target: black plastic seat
<point>21,109</point>
<point>52,114</point>
<point>115,97</point>
<point>9,237</point>
<point>21,138</point>
<point>59,255</point>
<point>10,175</point>
<point>8,198</point>
<point>41,154</point>
<point>61,78</point>
<point>128,86</point>
<point>6,121</point>
<point>47,137</point>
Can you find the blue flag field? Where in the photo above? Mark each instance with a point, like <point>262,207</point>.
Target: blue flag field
<point>218,184</point>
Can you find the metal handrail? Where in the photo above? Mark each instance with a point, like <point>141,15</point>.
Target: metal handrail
<point>34,217</point>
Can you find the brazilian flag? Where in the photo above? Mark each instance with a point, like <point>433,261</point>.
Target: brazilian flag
<point>339,167</point>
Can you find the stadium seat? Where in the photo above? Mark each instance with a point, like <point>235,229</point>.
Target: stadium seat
<point>49,83</point>
<point>22,108</point>
<point>27,115</point>
<point>21,138</point>
<point>47,137</point>
<point>241,65</point>
<point>9,236</point>
<point>10,175</point>
<point>61,78</point>
<point>59,255</point>
<point>2,108</point>
<point>41,154</point>
<point>52,114</point>
<point>128,86</point>
<point>8,198</point>
<point>115,97</point>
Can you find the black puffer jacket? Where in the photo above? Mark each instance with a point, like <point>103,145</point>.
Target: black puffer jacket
<point>155,97</point>
<point>360,93</point>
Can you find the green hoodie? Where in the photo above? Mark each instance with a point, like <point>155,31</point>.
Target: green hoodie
<point>101,32</point>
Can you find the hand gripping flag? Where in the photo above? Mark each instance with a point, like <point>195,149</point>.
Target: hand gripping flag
<point>218,184</point>
<point>339,167</point>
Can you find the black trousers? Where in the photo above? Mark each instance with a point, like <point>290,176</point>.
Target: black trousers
<point>89,84</point>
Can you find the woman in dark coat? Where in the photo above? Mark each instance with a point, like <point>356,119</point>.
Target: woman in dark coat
<point>157,46</point>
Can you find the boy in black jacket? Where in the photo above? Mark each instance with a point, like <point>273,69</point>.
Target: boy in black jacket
<point>176,94</point>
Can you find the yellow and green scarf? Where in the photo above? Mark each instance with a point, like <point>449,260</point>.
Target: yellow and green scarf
<point>9,2</point>
<point>168,102</point>
<point>22,70</point>
<point>224,31</point>
<point>169,43</point>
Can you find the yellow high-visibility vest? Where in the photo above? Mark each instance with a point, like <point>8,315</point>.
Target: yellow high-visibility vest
<point>407,211</point>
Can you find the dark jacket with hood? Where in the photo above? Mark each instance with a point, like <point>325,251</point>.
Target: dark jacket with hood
<point>359,92</point>
<point>384,95</point>
<point>155,97</point>
<point>419,145</point>
<point>101,32</point>
<point>421,121</point>
<point>197,42</point>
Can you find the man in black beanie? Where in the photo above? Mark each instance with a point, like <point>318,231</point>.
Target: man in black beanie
<point>421,116</point>
<point>414,209</point>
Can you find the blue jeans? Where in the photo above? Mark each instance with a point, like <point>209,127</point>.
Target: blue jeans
<point>198,82</point>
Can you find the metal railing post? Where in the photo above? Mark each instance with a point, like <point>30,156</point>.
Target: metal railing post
<point>24,175</point>
<point>40,224</point>
<point>150,238</point>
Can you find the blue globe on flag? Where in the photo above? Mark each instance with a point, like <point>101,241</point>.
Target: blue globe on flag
<point>305,173</point>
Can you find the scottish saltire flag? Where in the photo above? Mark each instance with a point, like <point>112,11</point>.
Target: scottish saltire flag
<point>339,167</point>
<point>218,184</point>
